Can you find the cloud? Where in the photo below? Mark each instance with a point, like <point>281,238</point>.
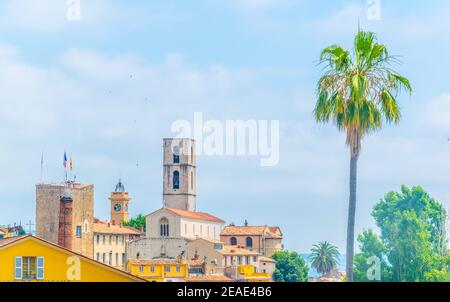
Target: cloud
<point>54,16</point>
<point>342,21</point>
<point>437,113</point>
<point>258,4</point>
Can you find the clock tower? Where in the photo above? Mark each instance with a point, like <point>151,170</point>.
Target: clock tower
<point>119,204</point>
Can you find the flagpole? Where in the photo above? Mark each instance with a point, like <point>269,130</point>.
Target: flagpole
<point>65,165</point>
<point>42,167</point>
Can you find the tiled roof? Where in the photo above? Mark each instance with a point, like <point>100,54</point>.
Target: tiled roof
<point>155,262</point>
<point>275,230</point>
<point>236,250</point>
<point>252,231</point>
<point>195,215</point>
<point>209,278</point>
<point>10,240</point>
<point>197,262</point>
<point>105,228</point>
<point>205,239</point>
<point>266,259</point>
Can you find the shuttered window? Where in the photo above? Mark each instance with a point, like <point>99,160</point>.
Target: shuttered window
<point>18,268</point>
<point>40,268</point>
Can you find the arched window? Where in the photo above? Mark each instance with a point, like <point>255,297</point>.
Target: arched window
<point>233,241</point>
<point>176,155</point>
<point>176,180</point>
<point>164,227</point>
<point>249,242</point>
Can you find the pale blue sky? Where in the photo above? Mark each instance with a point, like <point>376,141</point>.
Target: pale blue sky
<point>66,86</point>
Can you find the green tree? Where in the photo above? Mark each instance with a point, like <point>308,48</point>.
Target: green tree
<point>21,231</point>
<point>137,222</point>
<point>370,246</point>
<point>290,267</point>
<point>413,244</point>
<point>357,92</point>
<point>324,257</point>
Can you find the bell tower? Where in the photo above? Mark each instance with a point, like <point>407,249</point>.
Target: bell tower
<point>179,179</point>
<point>119,204</point>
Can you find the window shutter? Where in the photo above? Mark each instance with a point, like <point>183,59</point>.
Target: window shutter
<point>40,268</point>
<point>18,268</point>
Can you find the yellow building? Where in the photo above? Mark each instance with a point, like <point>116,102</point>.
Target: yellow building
<point>4,233</point>
<point>249,273</point>
<point>30,259</point>
<point>159,270</point>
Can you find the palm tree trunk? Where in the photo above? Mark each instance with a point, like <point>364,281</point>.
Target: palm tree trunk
<point>351,217</point>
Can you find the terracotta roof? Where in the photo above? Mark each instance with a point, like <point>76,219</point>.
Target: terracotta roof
<point>209,278</point>
<point>236,250</point>
<point>266,259</point>
<point>251,231</point>
<point>275,230</point>
<point>198,262</point>
<point>105,228</point>
<point>195,215</point>
<point>7,241</point>
<point>155,261</point>
<point>205,239</point>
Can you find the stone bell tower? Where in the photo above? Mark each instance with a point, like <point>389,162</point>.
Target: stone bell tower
<point>119,204</point>
<point>179,180</point>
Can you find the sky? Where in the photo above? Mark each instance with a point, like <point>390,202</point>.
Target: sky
<point>106,89</point>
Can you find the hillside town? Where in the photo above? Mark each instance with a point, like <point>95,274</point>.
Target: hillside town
<point>178,243</point>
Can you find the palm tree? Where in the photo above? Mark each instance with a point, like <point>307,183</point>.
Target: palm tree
<point>324,257</point>
<point>357,92</point>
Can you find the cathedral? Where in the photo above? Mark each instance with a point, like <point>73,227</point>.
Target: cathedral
<point>171,228</point>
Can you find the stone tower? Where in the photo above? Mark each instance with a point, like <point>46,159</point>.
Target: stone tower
<point>48,219</point>
<point>119,204</point>
<point>65,227</point>
<point>179,180</point>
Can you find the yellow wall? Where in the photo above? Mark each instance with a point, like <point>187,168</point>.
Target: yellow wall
<point>160,273</point>
<point>248,271</point>
<point>57,265</point>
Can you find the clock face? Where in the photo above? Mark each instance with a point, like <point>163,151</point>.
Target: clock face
<point>117,207</point>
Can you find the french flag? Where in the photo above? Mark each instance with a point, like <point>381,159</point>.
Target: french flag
<point>65,160</point>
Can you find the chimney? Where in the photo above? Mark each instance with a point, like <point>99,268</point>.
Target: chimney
<point>65,221</point>
<point>142,229</point>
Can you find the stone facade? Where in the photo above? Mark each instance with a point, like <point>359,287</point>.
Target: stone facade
<point>110,242</point>
<point>262,239</point>
<point>180,226</point>
<point>47,214</point>
<point>148,248</point>
<point>169,231</point>
<point>179,180</point>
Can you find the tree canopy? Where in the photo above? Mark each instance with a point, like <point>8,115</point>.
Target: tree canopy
<point>412,245</point>
<point>290,267</point>
<point>324,257</point>
<point>136,222</point>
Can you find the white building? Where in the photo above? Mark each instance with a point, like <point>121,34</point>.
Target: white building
<point>169,229</point>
